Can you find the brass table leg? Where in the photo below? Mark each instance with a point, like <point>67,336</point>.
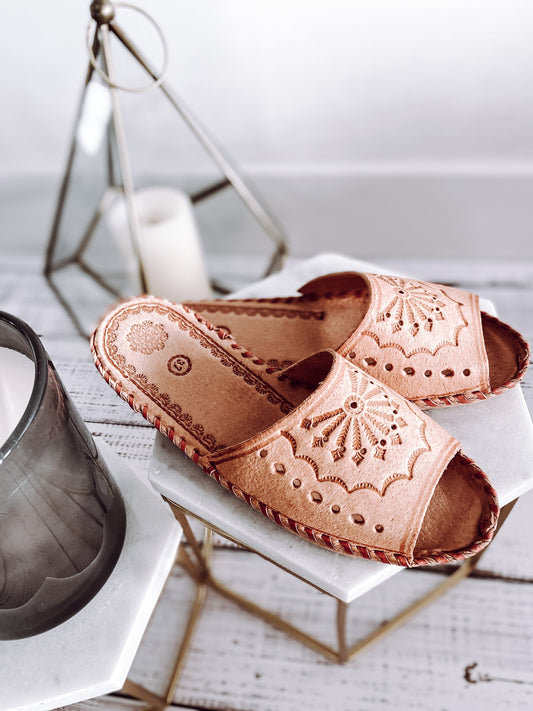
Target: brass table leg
<point>199,570</point>
<point>137,691</point>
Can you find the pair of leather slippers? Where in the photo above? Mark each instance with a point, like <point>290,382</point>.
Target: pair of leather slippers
<point>309,408</point>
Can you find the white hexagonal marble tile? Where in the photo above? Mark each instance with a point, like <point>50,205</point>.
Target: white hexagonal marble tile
<point>91,653</point>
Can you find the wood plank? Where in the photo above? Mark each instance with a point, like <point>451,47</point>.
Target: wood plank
<point>480,631</point>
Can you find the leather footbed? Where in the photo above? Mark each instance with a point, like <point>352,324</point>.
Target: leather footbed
<point>283,331</point>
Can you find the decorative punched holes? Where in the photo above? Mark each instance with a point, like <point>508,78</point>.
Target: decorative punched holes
<point>466,372</point>
<point>351,354</point>
<point>428,373</point>
<point>335,509</point>
<point>316,496</point>
<point>263,453</point>
<point>279,468</point>
<point>358,518</point>
<point>296,483</point>
<point>378,528</point>
<point>388,366</point>
<point>370,361</point>
<point>409,370</point>
<point>447,373</point>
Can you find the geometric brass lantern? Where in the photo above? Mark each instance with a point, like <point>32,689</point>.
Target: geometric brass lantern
<point>83,266</point>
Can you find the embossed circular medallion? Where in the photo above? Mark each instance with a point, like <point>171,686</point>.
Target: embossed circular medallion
<point>179,365</point>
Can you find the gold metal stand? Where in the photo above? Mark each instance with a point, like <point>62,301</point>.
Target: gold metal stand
<point>197,565</point>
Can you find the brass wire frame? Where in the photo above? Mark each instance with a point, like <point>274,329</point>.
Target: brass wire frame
<point>120,179</point>
<point>197,565</point>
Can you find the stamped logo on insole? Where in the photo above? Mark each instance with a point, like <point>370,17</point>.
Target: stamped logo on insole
<point>179,365</point>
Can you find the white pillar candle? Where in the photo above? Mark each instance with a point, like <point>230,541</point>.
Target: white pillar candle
<point>17,376</point>
<point>170,248</point>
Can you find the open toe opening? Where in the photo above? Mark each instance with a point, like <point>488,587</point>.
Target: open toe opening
<point>458,515</point>
<point>506,351</point>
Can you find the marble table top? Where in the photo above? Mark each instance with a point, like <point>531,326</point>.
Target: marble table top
<point>91,653</point>
<point>496,433</point>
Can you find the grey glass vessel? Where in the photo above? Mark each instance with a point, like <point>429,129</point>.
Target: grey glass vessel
<point>62,517</point>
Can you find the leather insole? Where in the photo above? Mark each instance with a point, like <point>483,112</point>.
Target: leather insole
<point>282,331</point>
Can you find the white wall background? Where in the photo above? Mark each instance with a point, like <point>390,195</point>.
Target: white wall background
<point>370,126</point>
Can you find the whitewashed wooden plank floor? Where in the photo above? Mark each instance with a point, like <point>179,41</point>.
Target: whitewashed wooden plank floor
<point>473,649</point>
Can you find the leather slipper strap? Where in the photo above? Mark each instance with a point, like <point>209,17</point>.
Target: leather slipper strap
<point>354,456</point>
<point>415,334</point>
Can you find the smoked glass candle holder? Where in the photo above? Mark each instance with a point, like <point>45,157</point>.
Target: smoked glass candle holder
<point>62,517</point>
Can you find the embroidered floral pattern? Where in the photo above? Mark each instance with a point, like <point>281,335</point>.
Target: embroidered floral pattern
<point>147,337</point>
<point>412,306</point>
<point>367,423</point>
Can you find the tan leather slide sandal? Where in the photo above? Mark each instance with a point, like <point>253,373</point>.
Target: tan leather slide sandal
<point>326,451</point>
<point>428,342</point>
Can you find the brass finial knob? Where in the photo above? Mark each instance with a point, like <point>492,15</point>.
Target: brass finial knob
<point>102,11</point>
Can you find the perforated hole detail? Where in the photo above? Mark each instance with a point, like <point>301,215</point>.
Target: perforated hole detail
<point>358,518</point>
<point>316,496</point>
<point>409,370</point>
<point>447,373</point>
<point>428,373</point>
<point>370,361</point>
<point>263,453</point>
<point>279,468</point>
<point>296,483</point>
<point>466,372</point>
<point>388,366</point>
<point>378,528</point>
<point>335,509</point>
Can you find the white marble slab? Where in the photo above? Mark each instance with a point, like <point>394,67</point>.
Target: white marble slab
<point>91,653</point>
<point>497,433</point>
